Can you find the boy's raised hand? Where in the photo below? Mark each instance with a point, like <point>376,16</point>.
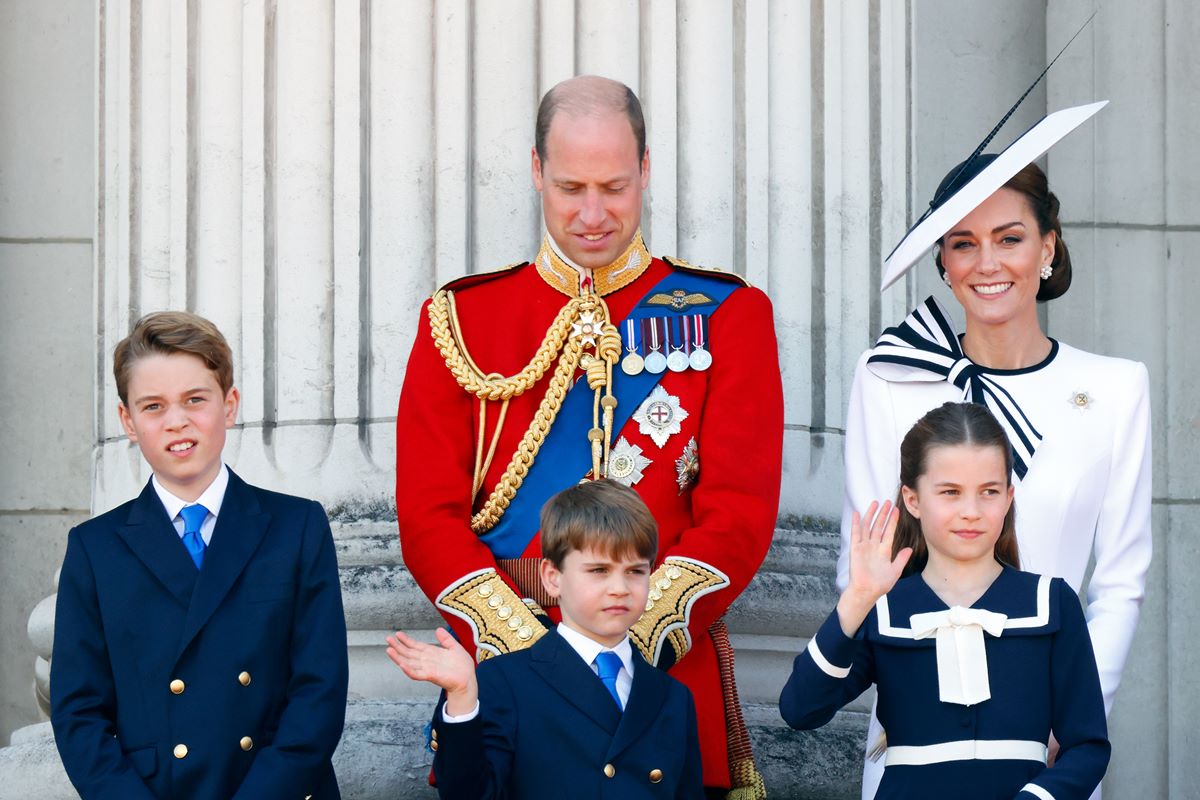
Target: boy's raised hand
<point>445,664</point>
<point>873,572</point>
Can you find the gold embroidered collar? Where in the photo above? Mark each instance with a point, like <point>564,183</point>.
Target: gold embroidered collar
<point>564,277</point>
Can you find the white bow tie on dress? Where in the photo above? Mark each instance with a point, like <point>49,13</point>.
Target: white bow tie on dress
<point>961,658</point>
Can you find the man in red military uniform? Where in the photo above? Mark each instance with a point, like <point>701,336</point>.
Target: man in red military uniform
<point>596,359</point>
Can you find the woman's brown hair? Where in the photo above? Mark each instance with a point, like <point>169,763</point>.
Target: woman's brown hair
<point>949,425</point>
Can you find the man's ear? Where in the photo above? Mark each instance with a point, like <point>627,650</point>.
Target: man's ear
<point>535,167</point>
<point>911,501</point>
<point>127,421</point>
<point>550,575</point>
<point>645,169</point>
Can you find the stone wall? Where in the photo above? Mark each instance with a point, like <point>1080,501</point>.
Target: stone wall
<point>47,334</point>
<point>1131,199</point>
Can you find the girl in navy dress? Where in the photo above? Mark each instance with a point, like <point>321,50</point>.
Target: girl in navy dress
<point>976,663</point>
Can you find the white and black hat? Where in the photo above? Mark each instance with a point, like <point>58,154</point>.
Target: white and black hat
<point>979,176</point>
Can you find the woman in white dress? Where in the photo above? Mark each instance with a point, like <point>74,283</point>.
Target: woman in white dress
<point>1079,422</point>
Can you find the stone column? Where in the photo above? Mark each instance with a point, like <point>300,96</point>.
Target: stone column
<point>306,172</point>
<point>46,329</point>
<point>1131,203</point>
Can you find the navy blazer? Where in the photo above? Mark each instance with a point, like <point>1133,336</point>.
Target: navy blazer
<point>547,728</point>
<point>225,683</point>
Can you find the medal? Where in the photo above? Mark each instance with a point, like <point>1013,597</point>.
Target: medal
<point>678,360</point>
<point>626,462</point>
<point>700,359</point>
<point>659,416</point>
<point>656,362</point>
<point>586,329</point>
<point>632,364</point>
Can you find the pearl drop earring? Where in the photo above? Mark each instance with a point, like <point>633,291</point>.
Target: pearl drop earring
<point>1046,272</point>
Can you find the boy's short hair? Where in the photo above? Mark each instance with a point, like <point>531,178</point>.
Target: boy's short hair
<point>604,515</point>
<point>169,332</point>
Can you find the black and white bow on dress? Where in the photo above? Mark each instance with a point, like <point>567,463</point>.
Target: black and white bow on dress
<point>924,347</point>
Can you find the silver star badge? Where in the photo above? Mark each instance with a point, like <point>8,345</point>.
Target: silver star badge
<point>626,462</point>
<point>659,416</point>
<point>687,466</point>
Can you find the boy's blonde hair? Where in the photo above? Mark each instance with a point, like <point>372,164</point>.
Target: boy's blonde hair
<point>169,332</point>
<point>603,515</point>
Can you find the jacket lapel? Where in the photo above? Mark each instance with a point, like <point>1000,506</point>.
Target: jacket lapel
<point>564,671</point>
<point>155,542</point>
<point>646,698</point>
<point>239,530</point>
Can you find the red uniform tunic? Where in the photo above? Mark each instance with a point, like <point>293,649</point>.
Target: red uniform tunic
<point>725,519</point>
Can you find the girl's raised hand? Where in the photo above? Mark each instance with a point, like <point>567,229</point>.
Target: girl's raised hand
<point>873,572</point>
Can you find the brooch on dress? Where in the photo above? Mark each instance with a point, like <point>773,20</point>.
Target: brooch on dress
<point>1081,401</point>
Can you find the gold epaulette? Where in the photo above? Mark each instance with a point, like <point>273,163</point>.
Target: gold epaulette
<point>715,272</point>
<point>475,278</point>
<point>500,621</point>
<point>674,588</point>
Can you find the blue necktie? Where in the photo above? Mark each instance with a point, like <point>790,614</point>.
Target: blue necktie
<point>608,666</point>
<point>193,518</point>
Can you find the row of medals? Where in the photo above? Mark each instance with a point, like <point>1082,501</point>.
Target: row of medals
<point>678,361</point>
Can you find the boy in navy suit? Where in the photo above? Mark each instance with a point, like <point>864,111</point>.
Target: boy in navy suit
<point>579,713</point>
<point>199,642</point>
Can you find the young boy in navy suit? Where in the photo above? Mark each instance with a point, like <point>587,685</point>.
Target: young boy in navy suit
<point>579,713</point>
<point>199,642</point>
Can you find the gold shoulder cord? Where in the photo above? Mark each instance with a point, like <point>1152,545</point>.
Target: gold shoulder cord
<point>581,326</point>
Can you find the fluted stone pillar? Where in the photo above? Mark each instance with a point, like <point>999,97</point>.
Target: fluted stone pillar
<point>1131,204</point>
<point>305,173</point>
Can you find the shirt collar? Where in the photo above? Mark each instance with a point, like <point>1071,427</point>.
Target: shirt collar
<point>211,497</point>
<point>589,648</point>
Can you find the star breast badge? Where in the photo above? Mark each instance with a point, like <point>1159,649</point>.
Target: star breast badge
<point>660,415</point>
<point>626,462</point>
<point>687,466</point>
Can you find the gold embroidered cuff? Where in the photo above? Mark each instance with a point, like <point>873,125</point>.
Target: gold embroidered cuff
<point>674,588</point>
<point>500,621</point>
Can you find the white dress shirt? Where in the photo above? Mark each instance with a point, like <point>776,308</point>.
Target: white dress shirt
<point>210,499</point>
<point>587,649</point>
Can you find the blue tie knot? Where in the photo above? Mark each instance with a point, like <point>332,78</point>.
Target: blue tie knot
<point>193,517</point>
<point>608,667</point>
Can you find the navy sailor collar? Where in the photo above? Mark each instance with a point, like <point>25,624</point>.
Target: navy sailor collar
<point>1024,598</point>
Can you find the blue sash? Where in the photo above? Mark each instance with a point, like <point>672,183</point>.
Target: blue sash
<point>566,456</point>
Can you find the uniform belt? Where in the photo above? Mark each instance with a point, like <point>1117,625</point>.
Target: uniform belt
<point>526,574</point>
<point>966,750</point>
